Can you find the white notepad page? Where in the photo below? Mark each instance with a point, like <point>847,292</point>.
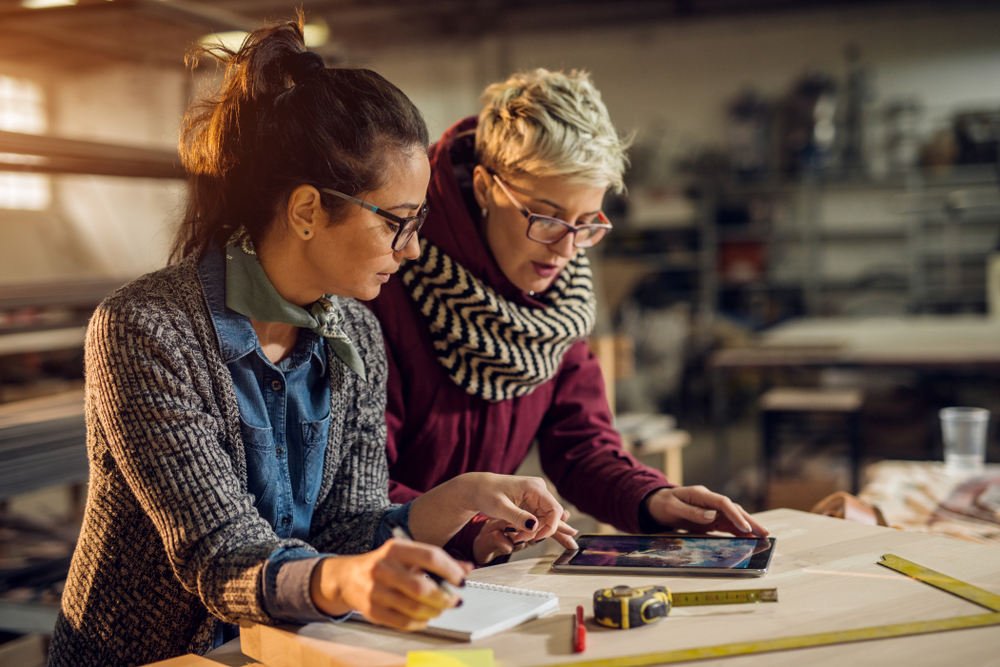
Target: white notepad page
<point>488,609</point>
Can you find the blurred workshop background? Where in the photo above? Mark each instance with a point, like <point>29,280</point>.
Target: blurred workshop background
<point>803,271</point>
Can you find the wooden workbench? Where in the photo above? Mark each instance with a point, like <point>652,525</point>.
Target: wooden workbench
<point>827,578</point>
<point>916,341</point>
<point>950,343</point>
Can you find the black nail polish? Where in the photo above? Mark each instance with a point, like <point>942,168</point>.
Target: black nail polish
<point>460,603</point>
<point>530,524</point>
<point>510,529</point>
<point>517,544</point>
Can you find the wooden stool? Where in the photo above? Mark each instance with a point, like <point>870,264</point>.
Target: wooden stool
<point>782,401</point>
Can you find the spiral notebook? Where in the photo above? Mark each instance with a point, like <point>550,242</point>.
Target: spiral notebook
<point>488,609</point>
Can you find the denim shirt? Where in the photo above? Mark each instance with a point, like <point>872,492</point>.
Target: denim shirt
<point>285,423</point>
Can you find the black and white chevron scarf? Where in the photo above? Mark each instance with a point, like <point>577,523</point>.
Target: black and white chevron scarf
<point>492,347</point>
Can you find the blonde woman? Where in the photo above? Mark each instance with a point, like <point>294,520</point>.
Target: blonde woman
<point>486,329</point>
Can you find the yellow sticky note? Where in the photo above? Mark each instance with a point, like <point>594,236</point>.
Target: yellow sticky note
<point>472,657</point>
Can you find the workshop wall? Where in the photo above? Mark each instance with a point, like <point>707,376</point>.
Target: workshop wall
<point>679,78</point>
<point>99,225</point>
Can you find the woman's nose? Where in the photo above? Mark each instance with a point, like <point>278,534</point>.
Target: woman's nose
<point>412,248</point>
<point>564,246</point>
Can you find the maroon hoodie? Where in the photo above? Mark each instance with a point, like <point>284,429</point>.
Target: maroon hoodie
<point>436,430</point>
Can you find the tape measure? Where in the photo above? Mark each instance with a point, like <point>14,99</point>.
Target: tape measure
<point>624,607</point>
<point>951,585</point>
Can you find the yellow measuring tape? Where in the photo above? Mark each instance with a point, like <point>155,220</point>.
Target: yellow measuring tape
<point>963,590</point>
<point>701,598</point>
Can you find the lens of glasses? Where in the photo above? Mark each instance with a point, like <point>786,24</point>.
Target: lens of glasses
<point>547,230</point>
<point>588,237</point>
<point>406,233</point>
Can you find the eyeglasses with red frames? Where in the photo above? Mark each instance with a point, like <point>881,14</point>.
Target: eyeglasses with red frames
<point>404,228</point>
<point>543,229</point>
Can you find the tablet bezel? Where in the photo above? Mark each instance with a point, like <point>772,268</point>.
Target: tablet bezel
<point>757,567</point>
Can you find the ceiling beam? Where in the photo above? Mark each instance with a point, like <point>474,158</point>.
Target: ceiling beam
<point>55,155</point>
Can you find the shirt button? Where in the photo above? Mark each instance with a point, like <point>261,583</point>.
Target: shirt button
<point>285,520</point>
<point>279,451</point>
<point>276,385</point>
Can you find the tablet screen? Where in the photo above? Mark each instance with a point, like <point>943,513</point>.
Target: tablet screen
<point>667,551</point>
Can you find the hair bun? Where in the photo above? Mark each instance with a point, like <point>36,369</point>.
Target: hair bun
<point>303,65</point>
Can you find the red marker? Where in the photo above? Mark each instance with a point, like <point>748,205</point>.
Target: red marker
<point>579,631</point>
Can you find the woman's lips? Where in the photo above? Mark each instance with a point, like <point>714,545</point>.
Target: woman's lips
<point>383,277</point>
<point>545,270</point>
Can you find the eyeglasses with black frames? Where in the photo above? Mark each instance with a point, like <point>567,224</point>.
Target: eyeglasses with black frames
<point>544,229</point>
<point>404,228</point>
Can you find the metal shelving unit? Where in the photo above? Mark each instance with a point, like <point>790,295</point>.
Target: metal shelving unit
<point>934,233</point>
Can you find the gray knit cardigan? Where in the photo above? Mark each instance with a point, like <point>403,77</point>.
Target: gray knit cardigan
<point>171,541</point>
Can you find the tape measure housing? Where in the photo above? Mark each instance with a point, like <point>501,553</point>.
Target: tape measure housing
<point>624,607</point>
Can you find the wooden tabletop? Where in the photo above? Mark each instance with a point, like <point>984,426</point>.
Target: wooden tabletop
<point>827,578</point>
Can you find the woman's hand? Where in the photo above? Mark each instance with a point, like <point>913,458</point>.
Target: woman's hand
<point>388,585</point>
<point>498,538</point>
<point>696,509</point>
<point>523,502</point>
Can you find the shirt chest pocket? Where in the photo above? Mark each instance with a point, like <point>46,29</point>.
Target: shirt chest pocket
<point>315,435</point>
<point>258,444</point>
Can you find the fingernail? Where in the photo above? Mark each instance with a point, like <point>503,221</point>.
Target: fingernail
<point>460,603</point>
<point>708,515</point>
<point>510,529</point>
<point>517,544</point>
<point>461,584</point>
<point>530,524</point>
<point>573,542</point>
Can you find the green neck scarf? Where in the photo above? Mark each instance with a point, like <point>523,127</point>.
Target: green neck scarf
<point>250,293</point>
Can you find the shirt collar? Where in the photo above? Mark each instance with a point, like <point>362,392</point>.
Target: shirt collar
<point>234,331</point>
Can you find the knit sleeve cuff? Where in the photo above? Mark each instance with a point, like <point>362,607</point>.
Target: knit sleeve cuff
<point>401,515</point>
<point>287,587</point>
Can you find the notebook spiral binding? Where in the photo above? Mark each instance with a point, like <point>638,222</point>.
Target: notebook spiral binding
<point>510,589</point>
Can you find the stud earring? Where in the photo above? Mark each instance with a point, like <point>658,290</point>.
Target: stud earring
<point>306,232</point>
<point>485,212</point>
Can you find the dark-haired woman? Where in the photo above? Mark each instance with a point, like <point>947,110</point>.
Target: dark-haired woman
<point>235,399</point>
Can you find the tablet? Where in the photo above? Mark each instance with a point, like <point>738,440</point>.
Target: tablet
<point>664,555</point>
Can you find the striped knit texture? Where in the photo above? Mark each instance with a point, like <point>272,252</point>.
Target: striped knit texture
<point>491,347</point>
<point>171,541</point>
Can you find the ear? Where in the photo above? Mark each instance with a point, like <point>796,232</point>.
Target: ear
<point>305,212</point>
<point>481,182</point>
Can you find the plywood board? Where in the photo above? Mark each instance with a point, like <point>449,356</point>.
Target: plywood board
<point>189,660</point>
<point>277,647</point>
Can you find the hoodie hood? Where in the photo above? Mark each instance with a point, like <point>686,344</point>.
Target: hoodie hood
<point>453,223</point>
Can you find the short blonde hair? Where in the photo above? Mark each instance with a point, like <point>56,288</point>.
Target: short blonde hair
<point>544,123</point>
